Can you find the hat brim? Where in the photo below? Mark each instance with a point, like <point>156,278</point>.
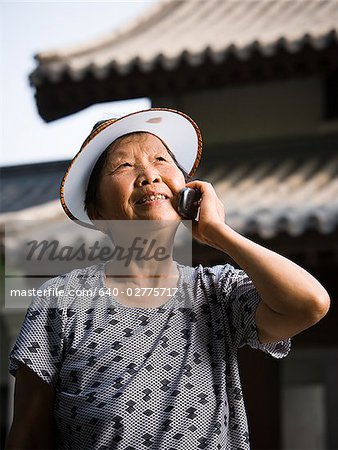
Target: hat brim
<point>177,130</point>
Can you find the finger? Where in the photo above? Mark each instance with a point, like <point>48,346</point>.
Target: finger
<point>197,183</point>
<point>204,187</point>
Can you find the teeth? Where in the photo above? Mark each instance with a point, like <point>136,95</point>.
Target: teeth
<point>153,197</point>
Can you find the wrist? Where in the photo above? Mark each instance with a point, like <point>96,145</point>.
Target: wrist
<point>218,235</point>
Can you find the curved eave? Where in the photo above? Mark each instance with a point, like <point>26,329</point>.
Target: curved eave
<point>70,93</point>
<point>54,71</point>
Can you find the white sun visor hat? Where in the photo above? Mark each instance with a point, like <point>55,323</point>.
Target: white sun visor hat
<point>177,131</point>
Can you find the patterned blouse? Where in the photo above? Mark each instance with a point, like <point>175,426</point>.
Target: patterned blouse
<point>131,378</point>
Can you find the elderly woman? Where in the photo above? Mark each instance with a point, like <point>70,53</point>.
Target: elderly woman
<point>129,372</point>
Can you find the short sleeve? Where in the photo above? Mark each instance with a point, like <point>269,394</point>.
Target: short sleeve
<point>240,299</point>
<point>39,344</point>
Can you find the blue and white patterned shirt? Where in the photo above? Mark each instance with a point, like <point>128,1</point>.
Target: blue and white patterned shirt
<point>129,378</point>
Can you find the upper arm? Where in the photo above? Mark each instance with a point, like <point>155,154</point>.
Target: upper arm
<point>33,412</point>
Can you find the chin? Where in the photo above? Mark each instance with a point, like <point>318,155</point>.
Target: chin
<point>169,214</point>
<point>167,217</point>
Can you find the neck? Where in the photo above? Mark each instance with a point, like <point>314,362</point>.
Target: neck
<point>142,249</point>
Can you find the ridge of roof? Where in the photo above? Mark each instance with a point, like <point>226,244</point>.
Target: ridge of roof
<point>103,40</point>
<point>171,31</point>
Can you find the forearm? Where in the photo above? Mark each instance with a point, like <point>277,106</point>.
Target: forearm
<point>283,286</point>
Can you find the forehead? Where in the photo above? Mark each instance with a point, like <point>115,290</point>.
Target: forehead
<point>136,142</point>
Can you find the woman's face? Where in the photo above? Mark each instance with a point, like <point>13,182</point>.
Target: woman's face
<point>138,169</point>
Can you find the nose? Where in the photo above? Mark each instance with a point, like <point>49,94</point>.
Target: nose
<point>148,175</point>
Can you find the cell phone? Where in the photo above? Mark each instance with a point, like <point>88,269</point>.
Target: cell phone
<point>188,203</point>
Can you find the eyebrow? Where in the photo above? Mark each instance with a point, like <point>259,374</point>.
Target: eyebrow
<point>117,156</point>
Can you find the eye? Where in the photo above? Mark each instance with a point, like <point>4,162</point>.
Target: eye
<point>120,167</point>
<point>126,164</point>
<point>160,158</point>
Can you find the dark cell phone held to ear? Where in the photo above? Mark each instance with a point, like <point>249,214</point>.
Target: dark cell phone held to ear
<point>188,203</point>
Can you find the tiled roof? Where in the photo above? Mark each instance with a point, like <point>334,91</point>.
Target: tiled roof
<point>274,195</point>
<point>290,194</point>
<point>193,31</point>
<point>30,185</point>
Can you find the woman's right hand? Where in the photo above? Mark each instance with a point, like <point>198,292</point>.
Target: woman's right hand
<point>211,212</point>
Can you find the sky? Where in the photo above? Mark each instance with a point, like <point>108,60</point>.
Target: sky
<point>27,28</point>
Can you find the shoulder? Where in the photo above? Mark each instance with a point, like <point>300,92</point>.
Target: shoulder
<point>216,273</point>
<point>221,275</point>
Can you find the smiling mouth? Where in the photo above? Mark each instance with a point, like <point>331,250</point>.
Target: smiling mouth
<point>151,198</point>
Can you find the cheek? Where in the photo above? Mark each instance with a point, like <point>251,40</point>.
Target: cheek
<point>113,193</point>
<point>176,179</point>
